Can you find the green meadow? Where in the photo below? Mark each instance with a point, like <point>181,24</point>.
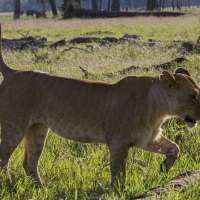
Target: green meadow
<point>71,170</point>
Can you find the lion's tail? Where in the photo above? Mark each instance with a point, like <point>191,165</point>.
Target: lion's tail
<point>4,69</point>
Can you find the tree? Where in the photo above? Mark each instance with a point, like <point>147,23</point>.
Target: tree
<point>173,4</point>
<point>177,5</point>
<point>161,4</point>
<point>43,9</point>
<point>115,5</point>
<point>53,7</point>
<point>94,5</point>
<point>152,4</point>
<point>109,5</point>
<point>16,9</point>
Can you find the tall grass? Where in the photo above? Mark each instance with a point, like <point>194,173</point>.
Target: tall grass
<point>70,170</point>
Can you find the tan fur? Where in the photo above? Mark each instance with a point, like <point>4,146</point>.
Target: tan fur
<point>125,114</point>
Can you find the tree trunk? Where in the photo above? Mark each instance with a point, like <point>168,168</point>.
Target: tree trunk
<point>188,3</point>
<point>160,5</point>
<point>65,2</point>
<point>198,3</point>
<point>53,7</point>
<point>115,5</point>
<point>152,4</point>
<point>16,9</point>
<point>163,4</point>
<point>108,5</point>
<point>173,4</point>
<point>79,3</point>
<point>177,5</point>
<point>94,5</point>
<point>100,2</point>
<point>43,9</point>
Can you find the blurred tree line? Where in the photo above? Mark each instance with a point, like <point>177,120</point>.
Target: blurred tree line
<point>20,6</point>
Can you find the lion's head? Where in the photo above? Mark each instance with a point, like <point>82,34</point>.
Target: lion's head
<point>184,95</point>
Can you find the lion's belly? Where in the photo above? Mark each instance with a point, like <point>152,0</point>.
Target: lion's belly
<point>80,132</point>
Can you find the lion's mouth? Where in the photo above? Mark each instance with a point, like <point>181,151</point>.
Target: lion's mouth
<point>189,121</point>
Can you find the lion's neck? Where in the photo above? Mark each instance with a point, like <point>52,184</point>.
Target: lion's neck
<point>159,102</point>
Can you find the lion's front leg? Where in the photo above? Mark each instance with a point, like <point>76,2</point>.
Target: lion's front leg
<point>162,145</point>
<point>118,156</point>
<point>171,157</point>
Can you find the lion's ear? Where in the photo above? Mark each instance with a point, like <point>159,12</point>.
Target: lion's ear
<point>182,71</point>
<point>167,80</point>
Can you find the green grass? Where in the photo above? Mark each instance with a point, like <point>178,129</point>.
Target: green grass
<point>77,171</point>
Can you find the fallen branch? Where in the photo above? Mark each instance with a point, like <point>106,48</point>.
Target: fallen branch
<point>112,74</point>
<point>91,39</point>
<point>126,70</point>
<point>86,73</point>
<point>25,36</point>
<point>78,48</point>
<point>58,43</point>
<point>28,41</point>
<point>159,67</point>
<point>79,40</point>
<point>40,57</point>
<point>23,43</point>
<point>167,65</point>
<point>180,184</point>
<point>85,13</point>
<point>70,48</point>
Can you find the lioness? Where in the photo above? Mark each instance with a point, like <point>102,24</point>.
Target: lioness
<point>125,114</point>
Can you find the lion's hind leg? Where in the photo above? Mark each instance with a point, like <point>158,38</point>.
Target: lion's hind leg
<point>34,141</point>
<point>11,136</point>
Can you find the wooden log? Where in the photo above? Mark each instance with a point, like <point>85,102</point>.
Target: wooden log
<point>84,13</point>
<point>180,183</point>
<point>23,43</point>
